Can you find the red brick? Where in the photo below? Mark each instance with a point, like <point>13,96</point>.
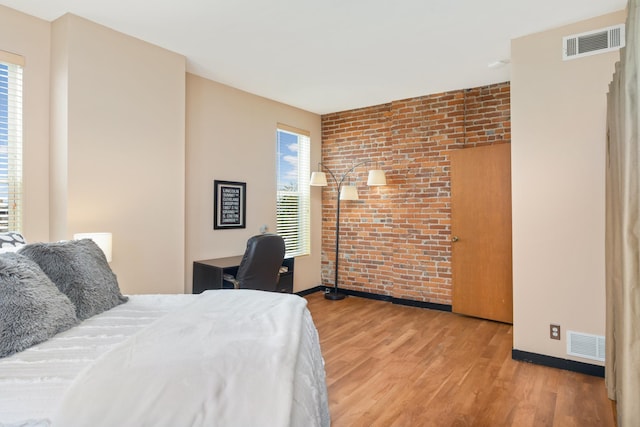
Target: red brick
<point>397,237</point>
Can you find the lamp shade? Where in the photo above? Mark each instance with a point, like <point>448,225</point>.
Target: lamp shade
<point>349,192</point>
<point>318,179</point>
<point>376,177</point>
<point>103,240</point>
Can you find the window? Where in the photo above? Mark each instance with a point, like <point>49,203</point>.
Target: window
<point>293,189</point>
<point>10,142</point>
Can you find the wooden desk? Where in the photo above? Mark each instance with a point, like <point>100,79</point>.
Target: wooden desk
<point>207,274</point>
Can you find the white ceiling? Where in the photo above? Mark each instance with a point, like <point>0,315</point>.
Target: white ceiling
<point>332,55</point>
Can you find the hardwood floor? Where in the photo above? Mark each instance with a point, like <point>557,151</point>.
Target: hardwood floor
<point>392,365</point>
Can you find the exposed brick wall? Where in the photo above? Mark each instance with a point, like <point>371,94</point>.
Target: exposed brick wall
<point>396,239</point>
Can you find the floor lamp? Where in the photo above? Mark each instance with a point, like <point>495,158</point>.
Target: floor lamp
<point>345,192</point>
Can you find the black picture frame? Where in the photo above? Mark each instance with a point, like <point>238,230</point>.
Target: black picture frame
<point>229,205</point>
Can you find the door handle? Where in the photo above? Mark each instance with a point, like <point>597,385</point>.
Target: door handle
<point>454,239</point>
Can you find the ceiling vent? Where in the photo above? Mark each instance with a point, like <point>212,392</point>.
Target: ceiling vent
<point>593,42</point>
<point>585,345</point>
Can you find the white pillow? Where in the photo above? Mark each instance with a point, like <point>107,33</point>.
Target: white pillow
<point>11,241</point>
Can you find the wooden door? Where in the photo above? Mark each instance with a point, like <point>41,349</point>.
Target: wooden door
<point>481,260</point>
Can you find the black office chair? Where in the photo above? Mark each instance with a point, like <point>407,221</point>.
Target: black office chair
<point>260,265</point>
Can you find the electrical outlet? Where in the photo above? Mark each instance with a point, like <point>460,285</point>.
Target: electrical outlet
<point>554,332</point>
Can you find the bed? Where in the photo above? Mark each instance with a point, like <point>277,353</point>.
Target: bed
<point>221,358</point>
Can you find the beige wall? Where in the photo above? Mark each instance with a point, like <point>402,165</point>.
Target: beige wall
<point>116,149</point>
<point>118,138</point>
<point>30,37</point>
<point>558,157</point>
<point>231,135</point>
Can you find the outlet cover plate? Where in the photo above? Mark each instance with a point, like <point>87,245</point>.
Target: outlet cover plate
<point>554,332</point>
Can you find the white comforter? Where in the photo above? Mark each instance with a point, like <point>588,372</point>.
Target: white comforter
<point>230,358</point>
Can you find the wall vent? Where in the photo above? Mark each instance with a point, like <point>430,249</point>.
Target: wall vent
<point>593,42</point>
<point>585,345</point>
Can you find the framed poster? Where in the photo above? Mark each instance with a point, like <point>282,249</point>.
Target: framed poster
<point>229,204</point>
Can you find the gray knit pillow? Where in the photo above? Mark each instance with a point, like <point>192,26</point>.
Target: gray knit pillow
<point>80,270</point>
<point>32,309</point>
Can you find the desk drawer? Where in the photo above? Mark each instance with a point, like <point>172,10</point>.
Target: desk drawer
<point>285,284</point>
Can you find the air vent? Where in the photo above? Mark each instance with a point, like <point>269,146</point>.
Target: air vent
<point>593,42</point>
<point>585,345</point>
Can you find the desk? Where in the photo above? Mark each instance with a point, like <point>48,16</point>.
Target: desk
<point>207,274</point>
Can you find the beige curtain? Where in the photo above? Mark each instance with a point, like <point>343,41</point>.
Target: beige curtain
<point>623,229</point>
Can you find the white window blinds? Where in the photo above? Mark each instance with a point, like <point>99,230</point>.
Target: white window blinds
<point>293,224</point>
<point>10,142</point>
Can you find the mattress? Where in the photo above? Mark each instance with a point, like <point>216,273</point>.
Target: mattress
<point>35,382</point>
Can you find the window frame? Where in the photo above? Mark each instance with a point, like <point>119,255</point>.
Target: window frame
<point>296,232</point>
<point>11,139</point>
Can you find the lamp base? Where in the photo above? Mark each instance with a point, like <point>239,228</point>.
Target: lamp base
<point>334,296</point>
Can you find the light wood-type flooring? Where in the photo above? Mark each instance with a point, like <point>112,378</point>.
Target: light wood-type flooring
<point>393,365</point>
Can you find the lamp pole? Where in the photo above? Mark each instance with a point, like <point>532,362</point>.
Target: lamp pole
<point>335,295</point>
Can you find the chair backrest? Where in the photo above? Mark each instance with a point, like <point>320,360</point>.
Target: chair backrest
<point>260,265</point>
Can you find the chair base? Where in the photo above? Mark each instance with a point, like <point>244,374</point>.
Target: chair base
<point>334,296</point>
